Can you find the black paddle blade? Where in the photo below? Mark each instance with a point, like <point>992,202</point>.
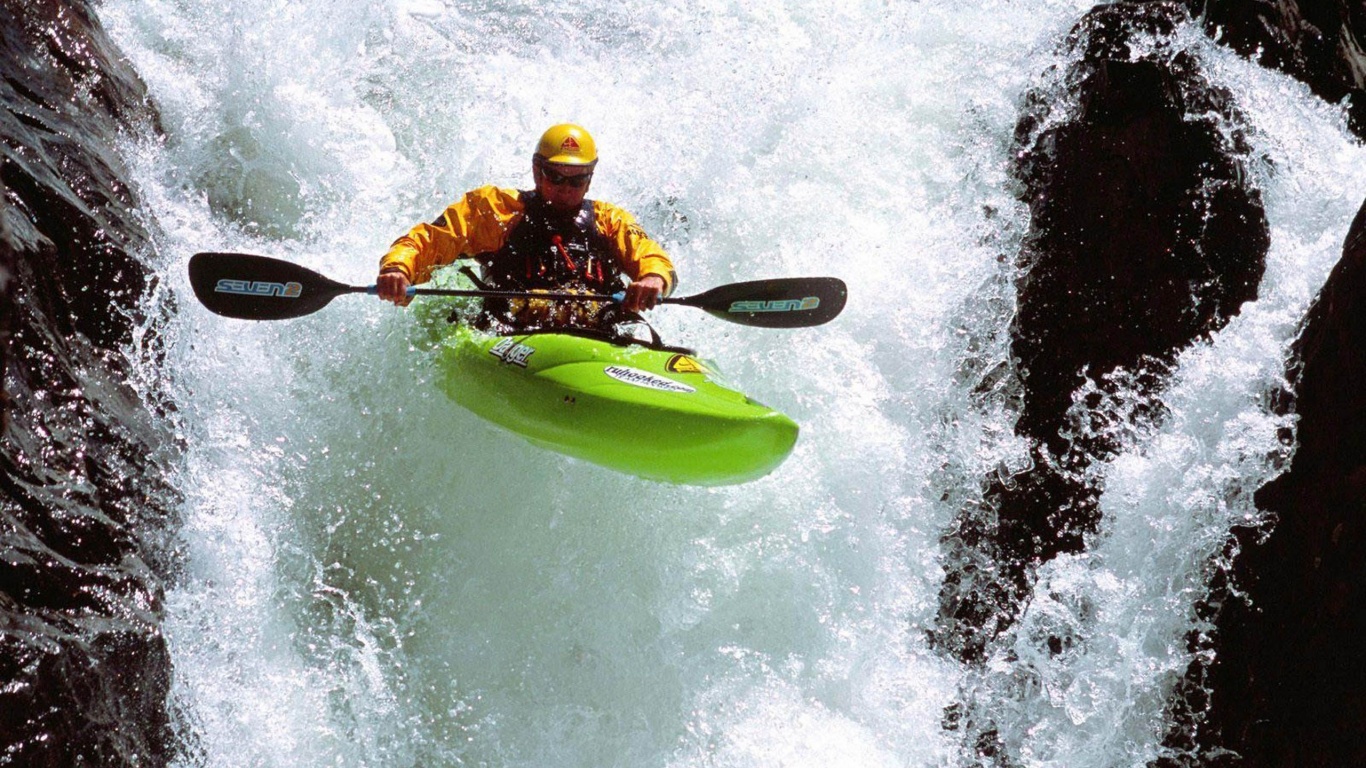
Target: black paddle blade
<point>787,302</point>
<point>252,287</point>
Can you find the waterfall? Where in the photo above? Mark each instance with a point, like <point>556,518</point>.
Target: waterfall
<point>375,577</point>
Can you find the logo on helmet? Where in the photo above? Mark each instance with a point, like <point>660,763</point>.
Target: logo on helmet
<point>569,145</point>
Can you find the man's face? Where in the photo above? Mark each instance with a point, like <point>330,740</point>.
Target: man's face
<point>562,186</point>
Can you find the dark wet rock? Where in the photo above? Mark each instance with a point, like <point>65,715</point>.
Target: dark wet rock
<point>1287,682</point>
<point>1318,42</point>
<point>1146,236</point>
<point>84,501</point>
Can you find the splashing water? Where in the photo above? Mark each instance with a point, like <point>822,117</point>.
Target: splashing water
<point>375,577</point>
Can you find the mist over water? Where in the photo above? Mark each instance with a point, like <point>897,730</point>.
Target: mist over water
<point>375,577</point>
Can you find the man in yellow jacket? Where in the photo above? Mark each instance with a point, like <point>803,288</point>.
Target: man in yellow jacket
<point>549,238</point>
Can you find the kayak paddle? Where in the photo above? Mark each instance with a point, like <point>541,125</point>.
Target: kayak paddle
<point>250,287</point>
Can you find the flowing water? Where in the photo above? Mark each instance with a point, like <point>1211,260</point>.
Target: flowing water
<point>377,578</point>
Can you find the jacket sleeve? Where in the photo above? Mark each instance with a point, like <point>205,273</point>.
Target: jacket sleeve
<point>476,223</point>
<point>640,255</point>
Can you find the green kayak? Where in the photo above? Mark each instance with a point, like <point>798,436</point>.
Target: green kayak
<point>643,409</point>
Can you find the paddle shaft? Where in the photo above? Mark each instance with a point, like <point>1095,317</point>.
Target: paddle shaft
<point>616,298</point>
<point>487,294</point>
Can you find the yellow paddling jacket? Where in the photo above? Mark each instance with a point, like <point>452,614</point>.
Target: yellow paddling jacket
<point>522,245</point>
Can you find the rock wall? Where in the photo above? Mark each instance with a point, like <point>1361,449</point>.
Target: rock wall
<point>1145,237</point>
<point>84,501</point>
<point>1287,682</point>
<point>1316,41</point>
<point>1277,680</point>
<point>1144,225</point>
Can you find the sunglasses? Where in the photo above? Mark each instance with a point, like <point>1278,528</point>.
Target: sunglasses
<point>560,180</point>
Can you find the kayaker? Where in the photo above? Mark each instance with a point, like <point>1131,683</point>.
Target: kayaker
<point>549,238</point>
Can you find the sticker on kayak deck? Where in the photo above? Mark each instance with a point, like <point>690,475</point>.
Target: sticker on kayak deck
<point>639,378</point>
<point>512,352</point>
<point>684,364</point>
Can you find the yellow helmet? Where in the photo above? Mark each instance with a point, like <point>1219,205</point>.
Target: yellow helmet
<point>567,144</point>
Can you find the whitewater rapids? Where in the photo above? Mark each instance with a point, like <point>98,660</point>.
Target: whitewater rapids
<point>375,577</point>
